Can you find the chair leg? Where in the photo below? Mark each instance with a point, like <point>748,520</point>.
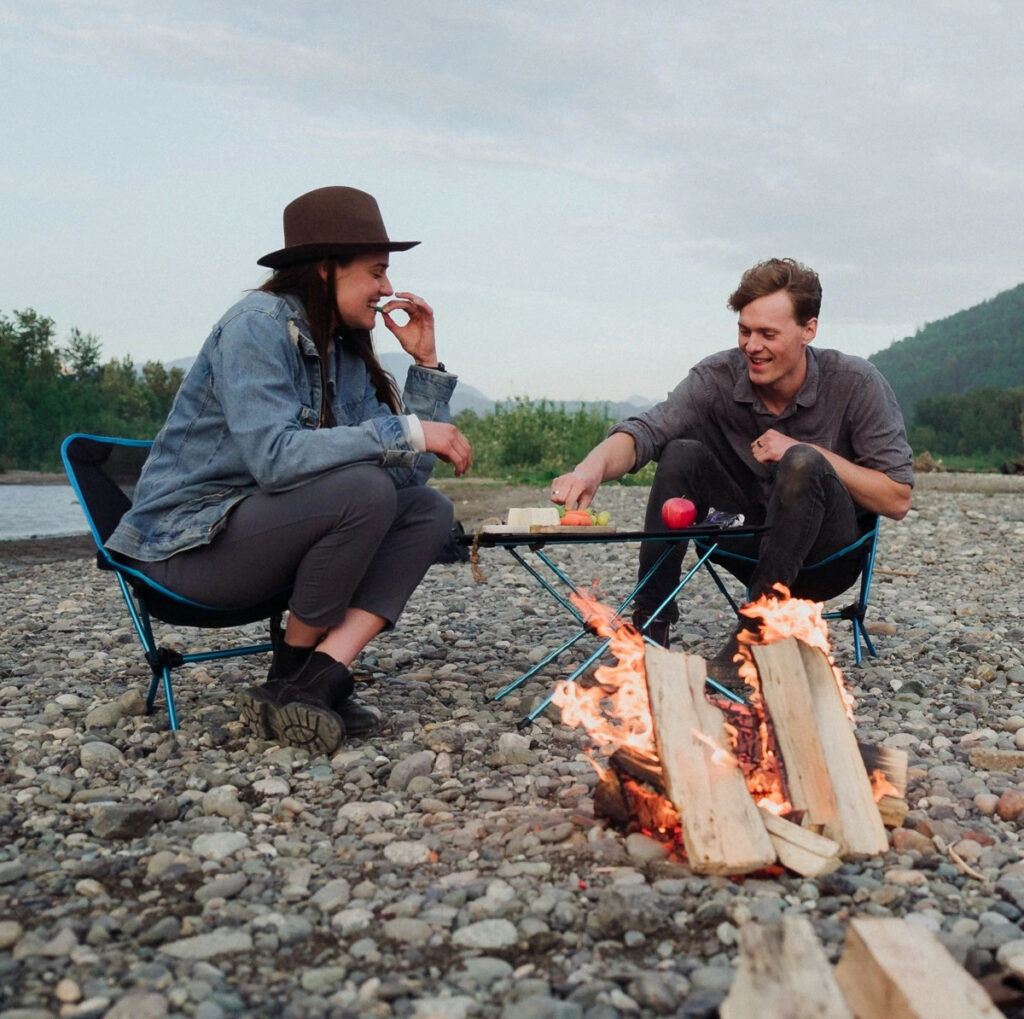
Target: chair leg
<point>172,713</point>
<point>860,633</point>
<point>154,686</point>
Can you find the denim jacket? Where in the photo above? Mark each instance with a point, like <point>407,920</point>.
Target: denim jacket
<point>245,420</point>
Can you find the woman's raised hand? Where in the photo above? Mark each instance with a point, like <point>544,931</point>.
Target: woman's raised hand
<point>417,335</point>
<point>447,442</point>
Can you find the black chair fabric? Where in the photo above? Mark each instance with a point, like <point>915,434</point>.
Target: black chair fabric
<point>103,471</point>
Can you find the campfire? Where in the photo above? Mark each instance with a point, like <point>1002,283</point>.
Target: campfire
<point>737,787</point>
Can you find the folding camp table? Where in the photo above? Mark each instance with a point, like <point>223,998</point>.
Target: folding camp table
<point>711,539</point>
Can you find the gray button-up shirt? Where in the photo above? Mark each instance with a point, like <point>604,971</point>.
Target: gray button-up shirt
<point>845,405</point>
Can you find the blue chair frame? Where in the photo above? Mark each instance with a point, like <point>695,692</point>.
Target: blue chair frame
<point>866,545</point>
<point>103,471</point>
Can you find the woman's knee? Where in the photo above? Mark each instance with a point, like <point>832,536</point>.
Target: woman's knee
<point>361,487</point>
<point>434,508</point>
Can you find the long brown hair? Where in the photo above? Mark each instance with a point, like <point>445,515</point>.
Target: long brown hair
<point>317,296</point>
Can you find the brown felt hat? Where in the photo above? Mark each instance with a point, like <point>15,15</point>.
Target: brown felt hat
<point>331,221</point>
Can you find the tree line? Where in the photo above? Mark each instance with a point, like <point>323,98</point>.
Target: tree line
<point>982,429</point>
<point>48,391</point>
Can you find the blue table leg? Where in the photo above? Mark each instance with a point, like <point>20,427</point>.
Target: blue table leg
<point>580,670</point>
<point>551,656</point>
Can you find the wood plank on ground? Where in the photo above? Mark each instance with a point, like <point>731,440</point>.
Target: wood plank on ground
<point>782,973</point>
<point>891,969</point>
<point>800,849</point>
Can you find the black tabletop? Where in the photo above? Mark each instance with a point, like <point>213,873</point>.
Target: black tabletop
<point>572,535</point>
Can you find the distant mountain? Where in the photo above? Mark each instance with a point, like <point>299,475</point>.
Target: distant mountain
<point>465,396</point>
<point>979,347</point>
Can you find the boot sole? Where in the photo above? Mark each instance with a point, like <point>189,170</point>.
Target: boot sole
<point>307,726</point>
<point>255,707</point>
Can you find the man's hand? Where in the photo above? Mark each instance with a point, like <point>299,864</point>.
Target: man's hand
<point>447,442</point>
<point>870,488</point>
<point>607,461</point>
<point>575,490</point>
<point>769,446</point>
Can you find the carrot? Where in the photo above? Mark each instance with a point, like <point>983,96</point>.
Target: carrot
<point>576,518</point>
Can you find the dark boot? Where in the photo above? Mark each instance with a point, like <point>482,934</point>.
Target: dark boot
<point>723,670</point>
<point>311,708</point>
<point>658,631</point>
<point>358,718</point>
<point>286,659</point>
<point>297,710</point>
<point>255,703</point>
<point>327,682</point>
<point>722,667</point>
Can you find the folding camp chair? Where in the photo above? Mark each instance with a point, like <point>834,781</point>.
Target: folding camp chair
<point>103,472</point>
<point>865,547</point>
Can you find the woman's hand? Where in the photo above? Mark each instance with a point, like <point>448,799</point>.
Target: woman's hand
<point>447,442</point>
<point>417,335</point>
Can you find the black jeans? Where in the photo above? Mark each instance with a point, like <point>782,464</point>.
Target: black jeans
<point>810,516</point>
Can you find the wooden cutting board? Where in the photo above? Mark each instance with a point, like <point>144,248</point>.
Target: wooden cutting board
<point>549,529</point>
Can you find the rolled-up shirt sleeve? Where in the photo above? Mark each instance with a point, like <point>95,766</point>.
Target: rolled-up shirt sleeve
<point>414,432</point>
<point>676,415</point>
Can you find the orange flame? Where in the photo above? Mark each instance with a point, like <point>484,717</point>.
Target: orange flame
<point>615,710</point>
<point>881,786</point>
<point>780,617</point>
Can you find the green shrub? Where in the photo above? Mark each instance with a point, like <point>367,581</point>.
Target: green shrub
<point>530,442</point>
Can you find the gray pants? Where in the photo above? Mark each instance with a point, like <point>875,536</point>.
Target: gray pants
<point>347,538</point>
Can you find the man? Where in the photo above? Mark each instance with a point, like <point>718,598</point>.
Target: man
<point>809,442</point>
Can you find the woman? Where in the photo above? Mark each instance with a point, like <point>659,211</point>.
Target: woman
<point>290,461</point>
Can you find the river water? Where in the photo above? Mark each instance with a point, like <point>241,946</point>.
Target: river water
<point>39,511</point>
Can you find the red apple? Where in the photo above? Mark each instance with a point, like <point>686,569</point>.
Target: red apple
<point>678,513</point>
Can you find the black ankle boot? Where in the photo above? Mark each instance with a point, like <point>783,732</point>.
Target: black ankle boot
<point>659,630</point>
<point>722,668</point>
<point>297,709</point>
<point>255,702</point>
<point>313,708</point>
<point>286,660</point>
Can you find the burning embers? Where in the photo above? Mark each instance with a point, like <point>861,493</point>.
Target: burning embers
<point>779,777</point>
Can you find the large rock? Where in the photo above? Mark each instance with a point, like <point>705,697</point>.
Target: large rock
<point>122,820</point>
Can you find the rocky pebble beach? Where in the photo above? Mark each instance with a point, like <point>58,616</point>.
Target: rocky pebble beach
<point>452,867</point>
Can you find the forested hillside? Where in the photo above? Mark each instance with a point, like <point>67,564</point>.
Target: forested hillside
<point>981,347</point>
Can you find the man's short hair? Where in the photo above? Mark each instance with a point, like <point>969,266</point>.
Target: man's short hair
<point>776,274</point>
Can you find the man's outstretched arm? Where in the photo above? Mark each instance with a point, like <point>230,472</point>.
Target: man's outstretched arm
<point>607,461</point>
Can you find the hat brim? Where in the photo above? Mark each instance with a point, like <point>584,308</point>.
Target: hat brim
<point>314,252</point>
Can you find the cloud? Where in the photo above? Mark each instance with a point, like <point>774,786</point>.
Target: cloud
<point>657,148</point>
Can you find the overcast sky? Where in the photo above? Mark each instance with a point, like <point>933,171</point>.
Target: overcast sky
<point>589,180</point>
